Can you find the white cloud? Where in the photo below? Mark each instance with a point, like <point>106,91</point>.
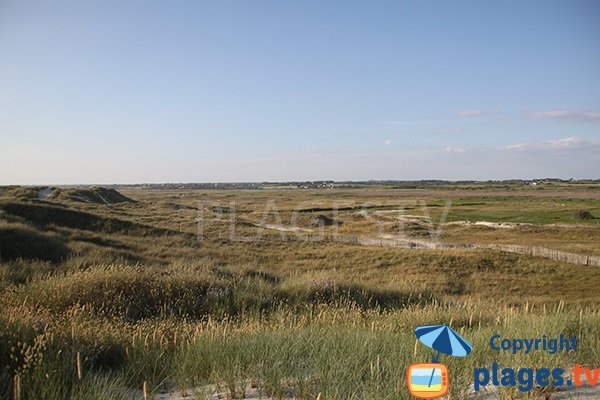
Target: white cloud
<point>470,113</point>
<point>497,114</point>
<point>565,143</point>
<point>455,150</point>
<point>387,141</point>
<point>556,144</point>
<point>449,131</point>
<point>518,146</point>
<point>585,116</point>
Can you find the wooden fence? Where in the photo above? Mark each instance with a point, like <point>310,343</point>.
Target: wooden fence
<point>534,251</point>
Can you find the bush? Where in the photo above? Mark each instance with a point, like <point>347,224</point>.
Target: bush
<point>583,215</point>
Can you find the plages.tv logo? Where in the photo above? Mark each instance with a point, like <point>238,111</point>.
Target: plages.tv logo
<point>430,380</point>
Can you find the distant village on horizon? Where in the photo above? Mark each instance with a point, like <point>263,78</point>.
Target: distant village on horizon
<point>332,184</point>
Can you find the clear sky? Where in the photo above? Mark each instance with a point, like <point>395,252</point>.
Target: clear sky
<point>193,91</point>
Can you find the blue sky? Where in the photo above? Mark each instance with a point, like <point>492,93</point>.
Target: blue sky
<point>193,91</point>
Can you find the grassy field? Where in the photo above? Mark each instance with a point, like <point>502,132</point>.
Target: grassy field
<point>145,291</point>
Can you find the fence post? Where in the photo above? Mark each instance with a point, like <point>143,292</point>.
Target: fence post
<point>79,374</point>
<point>17,387</point>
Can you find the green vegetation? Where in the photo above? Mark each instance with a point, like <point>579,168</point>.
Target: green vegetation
<point>533,210</point>
<point>131,289</point>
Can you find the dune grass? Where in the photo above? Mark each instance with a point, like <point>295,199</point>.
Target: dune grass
<point>339,350</point>
<point>141,299</point>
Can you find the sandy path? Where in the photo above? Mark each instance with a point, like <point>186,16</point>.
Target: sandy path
<point>44,194</point>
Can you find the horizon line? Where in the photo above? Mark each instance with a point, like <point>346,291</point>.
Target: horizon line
<point>280,182</point>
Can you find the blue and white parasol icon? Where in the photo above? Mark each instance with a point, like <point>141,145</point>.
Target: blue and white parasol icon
<point>443,339</point>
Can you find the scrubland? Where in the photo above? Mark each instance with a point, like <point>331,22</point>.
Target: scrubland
<point>187,290</point>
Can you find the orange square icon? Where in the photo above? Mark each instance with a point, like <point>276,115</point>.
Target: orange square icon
<point>427,380</point>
